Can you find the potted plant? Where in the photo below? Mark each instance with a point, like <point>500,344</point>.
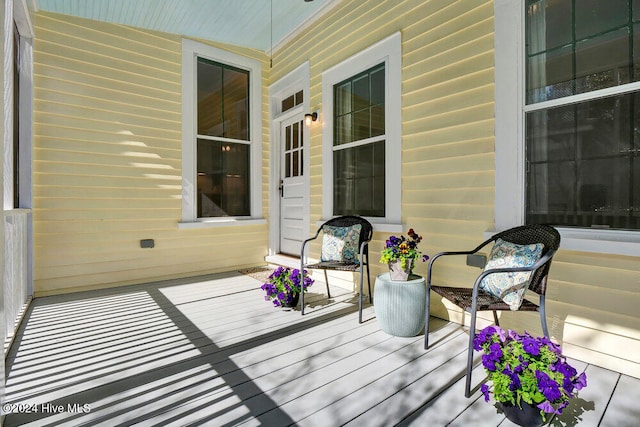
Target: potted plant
<point>399,297</point>
<point>401,254</point>
<point>530,376</point>
<point>284,287</point>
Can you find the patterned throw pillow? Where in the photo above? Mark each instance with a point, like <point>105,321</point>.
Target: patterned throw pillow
<point>506,254</point>
<point>340,243</point>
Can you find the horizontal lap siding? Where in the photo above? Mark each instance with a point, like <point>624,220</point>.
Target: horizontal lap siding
<point>108,161</point>
<point>448,167</point>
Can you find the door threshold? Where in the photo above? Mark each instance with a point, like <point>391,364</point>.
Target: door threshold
<point>284,260</point>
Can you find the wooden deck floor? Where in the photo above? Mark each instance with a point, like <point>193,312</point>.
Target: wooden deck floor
<point>211,351</point>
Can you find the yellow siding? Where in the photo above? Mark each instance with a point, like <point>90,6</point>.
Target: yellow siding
<point>107,160</point>
<point>448,168</point>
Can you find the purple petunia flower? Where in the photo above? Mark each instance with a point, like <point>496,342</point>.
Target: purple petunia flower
<point>547,407</point>
<point>581,381</point>
<point>548,387</point>
<point>485,390</point>
<point>531,346</point>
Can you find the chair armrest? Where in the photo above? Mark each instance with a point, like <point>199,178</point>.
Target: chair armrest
<point>441,254</point>
<point>307,241</point>
<point>542,261</point>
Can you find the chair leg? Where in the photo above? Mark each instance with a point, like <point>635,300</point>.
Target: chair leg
<point>302,281</point>
<point>369,283</point>
<point>360,297</point>
<point>543,317</point>
<point>495,318</point>
<point>472,334</point>
<point>426,318</point>
<point>326,281</point>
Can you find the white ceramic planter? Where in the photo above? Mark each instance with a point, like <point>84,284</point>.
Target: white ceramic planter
<point>400,305</point>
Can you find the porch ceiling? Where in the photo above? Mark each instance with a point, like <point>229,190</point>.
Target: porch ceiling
<point>239,22</point>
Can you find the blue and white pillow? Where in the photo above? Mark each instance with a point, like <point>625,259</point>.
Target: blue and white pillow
<point>504,255</point>
<point>340,243</point>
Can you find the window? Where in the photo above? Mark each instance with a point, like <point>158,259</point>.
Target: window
<point>223,140</point>
<point>358,144</point>
<point>291,101</point>
<point>361,152</point>
<point>567,124</point>
<point>221,136</point>
<point>583,168</point>
<point>16,117</point>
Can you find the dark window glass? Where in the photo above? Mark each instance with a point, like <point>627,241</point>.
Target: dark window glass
<point>16,118</point>
<point>579,46</point>
<point>582,158</point>
<point>359,106</point>
<point>583,164</point>
<point>223,100</point>
<point>359,170</point>
<point>359,180</point>
<point>223,179</point>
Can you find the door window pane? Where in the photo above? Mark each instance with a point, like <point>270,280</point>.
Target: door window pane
<point>293,150</point>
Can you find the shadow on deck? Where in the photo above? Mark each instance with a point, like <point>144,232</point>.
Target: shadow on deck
<point>211,351</point>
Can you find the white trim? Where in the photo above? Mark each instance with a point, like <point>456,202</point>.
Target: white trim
<point>581,97</point>
<point>297,79</point>
<point>509,133</point>
<point>22,17</point>
<point>190,51</point>
<point>220,222</point>
<point>389,51</point>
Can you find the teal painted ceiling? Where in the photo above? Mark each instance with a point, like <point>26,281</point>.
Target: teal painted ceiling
<point>240,22</point>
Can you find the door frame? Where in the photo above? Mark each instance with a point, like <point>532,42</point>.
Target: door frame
<point>296,80</point>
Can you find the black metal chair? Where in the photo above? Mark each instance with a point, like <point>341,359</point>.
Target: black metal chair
<point>475,299</point>
<point>366,233</point>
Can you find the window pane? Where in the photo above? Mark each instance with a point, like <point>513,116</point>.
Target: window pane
<point>236,104</point>
<point>359,106</point>
<point>343,99</point>
<point>16,117</point>
<point>603,61</point>
<point>223,179</point>
<point>597,16</point>
<point>361,125</point>
<point>209,98</point>
<point>582,167</point>
<point>359,180</point>
<point>550,75</point>
<point>378,88</point>
<point>361,98</point>
<point>550,24</point>
<point>550,135</point>
<point>223,100</point>
<point>578,46</point>
<point>287,103</point>
<point>343,132</point>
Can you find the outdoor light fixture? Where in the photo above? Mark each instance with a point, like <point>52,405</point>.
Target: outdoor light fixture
<point>310,118</point>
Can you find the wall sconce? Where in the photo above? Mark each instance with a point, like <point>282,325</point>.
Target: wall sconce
<point>310,118</point>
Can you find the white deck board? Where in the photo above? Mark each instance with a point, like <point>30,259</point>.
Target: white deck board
<point>211,351</point>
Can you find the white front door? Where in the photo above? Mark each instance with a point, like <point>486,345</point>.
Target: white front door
<point>293,191</point>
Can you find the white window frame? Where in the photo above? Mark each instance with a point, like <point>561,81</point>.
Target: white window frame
<point>510,111</point>
<point>389,51</point>
<point>191,51</point>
